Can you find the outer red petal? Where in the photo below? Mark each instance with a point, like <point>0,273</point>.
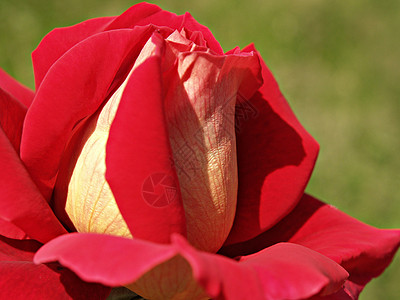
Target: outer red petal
<point>12,115</point>
<point>138,150</point>
<point>190,23</point>
<point>110,260</point>
<point>284,271</point>
<point>16,89</point>
<point>144,14</point>
<point>9,230</point>
<point>275,159</point>
<point>59,41</point>
<point>20,201</point>
<point>73,89</point>
<point>21,279</point>
<point>364,251</point>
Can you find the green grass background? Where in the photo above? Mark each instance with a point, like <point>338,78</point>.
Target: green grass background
<point>337,62</point>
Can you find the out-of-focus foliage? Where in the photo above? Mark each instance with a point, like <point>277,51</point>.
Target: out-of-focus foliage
<point>337,62</point>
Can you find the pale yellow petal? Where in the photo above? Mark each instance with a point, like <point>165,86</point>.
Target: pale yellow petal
<point>201,124</point>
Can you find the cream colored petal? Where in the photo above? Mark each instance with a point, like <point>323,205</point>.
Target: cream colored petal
<point>201,123</point>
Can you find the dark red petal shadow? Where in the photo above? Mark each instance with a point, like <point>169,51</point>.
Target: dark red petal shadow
<point>12,115</point>
<point>339,295</point>
<point>20,201</point>
<point>16,89</point>
<point>364,251</point>
<point>138,151</point>
<point>119,261</point>
<point>73,89</point>
<point>275,159</point>
<point>21,279</point>
<point>59,41</point>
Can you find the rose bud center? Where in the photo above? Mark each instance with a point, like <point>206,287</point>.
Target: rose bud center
<point>199,103</point>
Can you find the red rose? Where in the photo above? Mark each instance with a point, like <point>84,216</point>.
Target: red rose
<point>149,158</point>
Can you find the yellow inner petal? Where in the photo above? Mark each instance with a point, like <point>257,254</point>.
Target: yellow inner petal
<point>90,203</point>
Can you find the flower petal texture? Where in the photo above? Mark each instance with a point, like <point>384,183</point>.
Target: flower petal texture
<point>59,41</point>
<point>275,159</point>
<point>284,271</point>
<point>200,113</point>
<point>9,230</point>
<point>90,203</point>
<point>21,202</point>
<point>138,148</point>
<point>86,82</point>
<point>15,89</point>
<point>364,251</point>
<point>148,158</point>
<point>12,115</point>
<point>20,278</point>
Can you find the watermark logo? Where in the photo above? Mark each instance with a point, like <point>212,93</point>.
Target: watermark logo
<point>244,111</point>
<point>159,190</point>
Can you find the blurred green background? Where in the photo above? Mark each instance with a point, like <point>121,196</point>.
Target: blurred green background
<point>337,62</point>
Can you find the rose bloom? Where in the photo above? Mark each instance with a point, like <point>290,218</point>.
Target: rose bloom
<point>149,158</point>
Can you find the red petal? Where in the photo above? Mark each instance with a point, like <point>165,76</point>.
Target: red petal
<point>364,251</point>
<point>59,41</point>
<point>284,271</point>
<point>21,203</point>
<point>275,159</point>
<point>12,115</point>
<point>339,295</point>
<point>72,90</point>
<point>106,259</point>
<point>139,152</point>
<point>190,23</point>
<point>144,14</point>
<point>9,230</point>
<point>21,279</point>
<point>16,89</point>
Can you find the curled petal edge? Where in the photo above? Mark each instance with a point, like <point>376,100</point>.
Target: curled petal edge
<point>259,276</point>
